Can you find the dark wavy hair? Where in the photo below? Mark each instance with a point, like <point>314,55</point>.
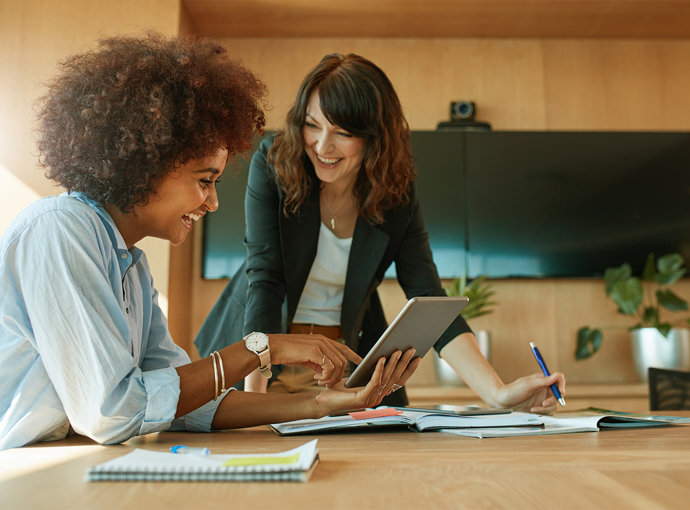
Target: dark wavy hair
<point>358,97</point>
<point>116,120</point>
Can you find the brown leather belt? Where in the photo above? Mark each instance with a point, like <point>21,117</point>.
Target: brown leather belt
<point>332,332</point>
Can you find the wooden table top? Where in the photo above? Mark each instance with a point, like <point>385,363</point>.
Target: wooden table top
<point>644,468</point>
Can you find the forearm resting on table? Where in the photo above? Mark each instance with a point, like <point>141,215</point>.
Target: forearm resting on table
<point>242,409</point>
<point>463,354</point>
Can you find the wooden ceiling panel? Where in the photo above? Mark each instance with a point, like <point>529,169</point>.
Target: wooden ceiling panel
<point>597,19</point>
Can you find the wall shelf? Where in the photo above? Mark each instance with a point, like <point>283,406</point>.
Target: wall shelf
<point>565,19</point>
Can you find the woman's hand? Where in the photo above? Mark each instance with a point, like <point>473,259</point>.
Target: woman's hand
<point>326,357</point>
<point>388,377</point>
<point>531,393</point>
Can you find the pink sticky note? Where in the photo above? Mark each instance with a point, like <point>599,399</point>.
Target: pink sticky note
<point>375,413</point>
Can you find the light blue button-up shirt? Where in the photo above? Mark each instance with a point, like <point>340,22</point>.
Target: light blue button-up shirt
<point>82,338</point>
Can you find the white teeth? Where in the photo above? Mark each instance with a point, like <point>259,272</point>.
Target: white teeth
<point>193,216</point>
<point>328,161</point>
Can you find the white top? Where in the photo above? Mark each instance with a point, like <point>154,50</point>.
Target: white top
<point>322,297</point>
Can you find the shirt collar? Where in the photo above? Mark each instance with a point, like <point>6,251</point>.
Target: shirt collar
<point>125,257</point>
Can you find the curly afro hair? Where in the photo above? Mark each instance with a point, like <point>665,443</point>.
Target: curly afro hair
<point>115,121</point>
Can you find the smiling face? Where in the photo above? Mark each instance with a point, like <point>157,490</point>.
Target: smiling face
<point>185,195</point>
<point>335,153</point>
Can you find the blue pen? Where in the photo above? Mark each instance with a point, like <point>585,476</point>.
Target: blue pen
<point>180,448</point>
<point>542,364</point>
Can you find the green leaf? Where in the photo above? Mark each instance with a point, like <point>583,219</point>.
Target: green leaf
<point>670,278</point>
<point>664,329</point>
<point>588,342</point>
<point>479,293</point>
<point>670,262</point>
<point>627,295</point>
<point>612,275</point>
<point>454,288</point>
<point>670,268</point>
<point>670,301</point>
<point>460,284</point>
<point>478,314</point>
<point>650,316</point>
<point>649,272</point>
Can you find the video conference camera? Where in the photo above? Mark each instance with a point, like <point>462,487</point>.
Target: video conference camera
<point>462,118</point>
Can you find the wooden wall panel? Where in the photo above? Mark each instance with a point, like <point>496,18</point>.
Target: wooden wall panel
<point>617,85</point>
<point>34,35</point>
<point>504,77</point>
<point>518,85</point>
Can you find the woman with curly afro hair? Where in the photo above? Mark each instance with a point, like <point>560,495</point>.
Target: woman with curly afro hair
<point>138,132</point>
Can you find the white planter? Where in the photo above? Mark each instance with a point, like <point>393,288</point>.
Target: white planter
<point>445,375</point>
<point>651,349</point>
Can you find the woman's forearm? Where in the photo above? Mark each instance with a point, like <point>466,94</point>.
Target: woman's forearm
<point>243,409</point>
<point>197,380</point>
<point>463,354</point>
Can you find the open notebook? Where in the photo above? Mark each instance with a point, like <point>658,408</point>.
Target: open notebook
<point>592,419</point>
<point>397,417</point>
<point>294,465</point>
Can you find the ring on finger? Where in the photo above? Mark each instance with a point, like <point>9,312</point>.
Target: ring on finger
<point>323,362</point>
<point>396,387</point>
<point>380,389</point>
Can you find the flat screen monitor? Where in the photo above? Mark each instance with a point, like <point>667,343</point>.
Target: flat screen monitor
<point>571,204</point>
<point>521,204</point>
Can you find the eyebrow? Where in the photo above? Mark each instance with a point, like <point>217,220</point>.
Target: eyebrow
<point>205,170</point>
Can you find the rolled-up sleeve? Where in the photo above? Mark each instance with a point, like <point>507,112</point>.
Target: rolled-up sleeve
<point>161,351</point>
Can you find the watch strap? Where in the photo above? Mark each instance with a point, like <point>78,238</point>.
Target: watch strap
<point>264,359</point>
<point>264,355</point>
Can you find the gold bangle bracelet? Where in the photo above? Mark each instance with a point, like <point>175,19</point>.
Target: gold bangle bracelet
<point>223,389</point>
<point>215,375</point>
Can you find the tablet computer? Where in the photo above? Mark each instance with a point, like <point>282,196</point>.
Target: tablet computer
<point>419,324</point>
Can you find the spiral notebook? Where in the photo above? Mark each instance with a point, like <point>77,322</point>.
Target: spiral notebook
<point>294,465</point>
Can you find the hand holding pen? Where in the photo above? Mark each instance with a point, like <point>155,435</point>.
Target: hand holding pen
<point>544,369</point>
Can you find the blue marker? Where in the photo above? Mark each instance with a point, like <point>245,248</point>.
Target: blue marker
<point>542,364</point>
<point>180,448</point>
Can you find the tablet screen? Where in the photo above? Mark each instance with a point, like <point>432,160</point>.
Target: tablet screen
<point>419,324</point>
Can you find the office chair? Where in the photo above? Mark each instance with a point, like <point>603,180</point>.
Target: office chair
<point>669,390</point>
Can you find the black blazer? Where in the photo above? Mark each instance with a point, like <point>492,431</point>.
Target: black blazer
<point>264,293</point>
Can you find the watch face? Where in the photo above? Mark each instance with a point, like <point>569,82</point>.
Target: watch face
<point>257,342</point>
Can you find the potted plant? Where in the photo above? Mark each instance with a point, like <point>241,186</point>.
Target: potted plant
<point>655,342</point>
<point>479,292</point>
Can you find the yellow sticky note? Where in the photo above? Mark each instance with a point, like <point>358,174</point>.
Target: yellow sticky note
<point>259,461</point>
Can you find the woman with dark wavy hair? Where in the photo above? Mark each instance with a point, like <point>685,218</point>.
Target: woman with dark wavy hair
<point>330,205</point>
<point>138,132</point>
